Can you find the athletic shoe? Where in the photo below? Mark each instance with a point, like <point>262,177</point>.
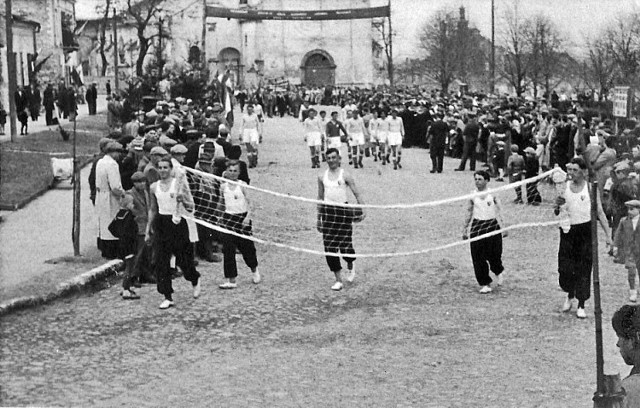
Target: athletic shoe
<point>633,295</point>
<point>485,289</point>
<point>129,295</point>
<point>256,277</point>
<point>197,288</point>
<point>166,304</point>
<point>228,285</point>
<point>351,275</point>
<point>337,286</point>
<point>500,279</point>
<point>580,313</point>
<point>567,305</point>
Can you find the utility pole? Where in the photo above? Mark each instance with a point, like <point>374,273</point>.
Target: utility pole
<point>493,46</point>
<point>390,62</point>
<point>11,70</point>
<point>116,82</point>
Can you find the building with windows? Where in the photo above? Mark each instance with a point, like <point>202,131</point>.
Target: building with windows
<point>326,52</point>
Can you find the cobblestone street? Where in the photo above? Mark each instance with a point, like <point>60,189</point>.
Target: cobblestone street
<point>410,331</point>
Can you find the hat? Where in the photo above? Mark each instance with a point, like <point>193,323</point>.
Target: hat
<point>178,149</point>
<point>159,151</point>
<point>632,203</point>
<point>138,176</point>
<point>530,150</point>
<point>206,157</point>
<point>167,141</point>
<point>113,147</point>
<point>623,165</point>
<point>104,142</point>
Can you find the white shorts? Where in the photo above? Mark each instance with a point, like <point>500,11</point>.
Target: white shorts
<point>250,136</point>
<point>356,139</point>
<point>334,142</point>
<point>394,138</point>
<point>381,137</point>
<point>314,139</point>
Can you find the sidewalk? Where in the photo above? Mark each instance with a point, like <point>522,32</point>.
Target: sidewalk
<point>41,232</point>
<point>40,124</point>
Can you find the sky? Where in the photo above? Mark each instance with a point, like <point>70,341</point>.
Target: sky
<point>578,19</point>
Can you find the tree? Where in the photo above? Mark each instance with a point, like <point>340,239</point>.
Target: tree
<point>143,12</point>
<point>103,33</point>
<point>546,47</point>
<point>598,70</point>
<point>516,60</point>
<point>622,40</point>
<point>384,34</point>
<point>438,40</point>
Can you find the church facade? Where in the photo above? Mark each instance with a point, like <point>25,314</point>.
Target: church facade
<point>312,53</point>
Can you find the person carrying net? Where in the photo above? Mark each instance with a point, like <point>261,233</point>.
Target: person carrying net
<point>335,221</point>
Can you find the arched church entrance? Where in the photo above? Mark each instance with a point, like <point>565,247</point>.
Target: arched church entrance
<point>318,69</point>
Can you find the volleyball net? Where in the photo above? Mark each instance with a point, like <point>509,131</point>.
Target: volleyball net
<point>404,229</point>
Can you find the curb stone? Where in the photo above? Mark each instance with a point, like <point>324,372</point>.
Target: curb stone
<point>66,288</point>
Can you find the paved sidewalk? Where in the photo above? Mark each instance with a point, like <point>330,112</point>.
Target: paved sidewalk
<point>36,251</point>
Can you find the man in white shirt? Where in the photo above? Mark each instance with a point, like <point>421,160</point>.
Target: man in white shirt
<point>395,137</point>
<point>250,134</point>
<point>313,136</point>
<point>356,130</point>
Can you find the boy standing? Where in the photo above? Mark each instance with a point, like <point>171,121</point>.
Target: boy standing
<point>515,169</point>
<point>627,241</point>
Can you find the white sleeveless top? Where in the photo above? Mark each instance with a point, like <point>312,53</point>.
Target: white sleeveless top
<point>335,191</point>
<point>167,202</point>
<point>234,199</point>
<point>578,205</point>
<point>484,207</point>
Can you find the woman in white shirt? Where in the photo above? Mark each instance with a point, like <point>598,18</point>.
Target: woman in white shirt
<point>234,209</point>
<point>483,217</point>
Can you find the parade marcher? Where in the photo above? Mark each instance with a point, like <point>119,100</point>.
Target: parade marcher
<point>356,130</point>
<point>395,136</point>
<point>335,131</point>
<point>108,193</point>
<point>627,245</point>
<point>335,222</point>
<point>382,133</point>
<point>437,143</point>
<point>250,134</point>
<point>574,253</point>
<point>626,324</point>
<point>313,136</point>
<point>483,217</point>
<point>235,209</point>
<point>168,231</point>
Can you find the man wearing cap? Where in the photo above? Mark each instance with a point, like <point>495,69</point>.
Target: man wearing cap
<point>627,245</point>
<point>143,272</point>
<point>151,170</point>
<point>102,144</point>
<point>623,189</point>
<point>108,193</point>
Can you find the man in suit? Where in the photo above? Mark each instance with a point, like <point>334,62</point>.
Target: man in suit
<point>470,134</point>
<point>49,102</point>
<point>92,96</point>
<point>437,142</point>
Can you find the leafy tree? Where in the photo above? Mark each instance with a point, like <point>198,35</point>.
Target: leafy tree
<point>438,40</point>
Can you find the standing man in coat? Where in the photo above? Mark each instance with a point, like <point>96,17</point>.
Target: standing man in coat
<point>437,142</point>
<point>470,134</point>
<point>92,96</point>
<point>108,193</point>
<point>49,102</point>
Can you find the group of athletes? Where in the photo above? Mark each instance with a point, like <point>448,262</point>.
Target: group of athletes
<point>365,133</point>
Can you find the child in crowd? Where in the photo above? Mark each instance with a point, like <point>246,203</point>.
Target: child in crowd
<point>3,119</point>
<point>23,117</point>
<point>627,244</point>
<point>515,170</point>
<point>125,228</point>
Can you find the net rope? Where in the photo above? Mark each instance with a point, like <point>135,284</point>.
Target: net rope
<point>402,229</point>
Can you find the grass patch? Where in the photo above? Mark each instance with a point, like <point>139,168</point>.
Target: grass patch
<point>25,165</point>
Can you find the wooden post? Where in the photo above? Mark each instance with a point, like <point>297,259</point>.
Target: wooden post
<point>493,48</point>
<point>12,79</point>
<point>613,393</point>
<point>390,62</point>
<point>75,231</point>
<point>116,80</point>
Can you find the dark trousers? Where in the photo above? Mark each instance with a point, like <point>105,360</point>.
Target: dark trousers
<point>92,107</point>
<point>437,157</point>
<point>230,242</point>
<point>171,239</point>
<point>574,261</point>
<point>533,195</point>
<point>132,271</point>
<point>48,115</point>
<point>486,253</point>
<point>337,235</point>
<point>468,152</point>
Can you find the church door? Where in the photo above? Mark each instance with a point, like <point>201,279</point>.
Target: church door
<point>319,70</point>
